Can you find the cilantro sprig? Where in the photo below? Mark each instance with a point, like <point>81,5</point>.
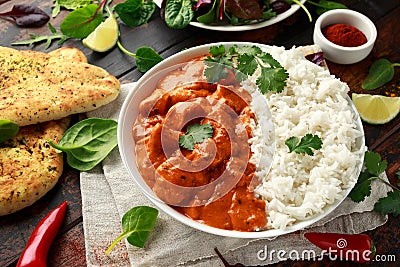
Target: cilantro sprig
<point>196,133</point>
<point>306,143</point>
<point>374,167</point>
<point>246,60</point>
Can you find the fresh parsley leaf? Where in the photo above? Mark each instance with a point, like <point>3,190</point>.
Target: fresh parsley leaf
<point>306,143</point>
<point>196,133</point>
<point>389,204</point>
<point>398,174</point>
<point>374,163</point>
<point>217,50</point>
<point>215,71</point>
<point>362,189</point>
<point>247,64</point>
<point>247,59</point>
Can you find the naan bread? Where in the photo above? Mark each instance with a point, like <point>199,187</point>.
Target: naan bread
<point>29,166</point>
<point>37,87</point>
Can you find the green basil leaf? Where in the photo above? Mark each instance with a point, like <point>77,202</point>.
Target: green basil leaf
<point>178,13</point>
<point>8,129</point>
<point>137,225</point>
<point>135,12</point>
<point>81,22</point>
<point>146,58</point>
<point>381,72</point>
<point>88,142</point>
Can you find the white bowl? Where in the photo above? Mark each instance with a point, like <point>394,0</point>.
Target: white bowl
<point>129,112</point>
<point>341,54</point>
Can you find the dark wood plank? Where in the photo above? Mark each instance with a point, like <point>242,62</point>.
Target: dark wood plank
<point>68,249</point>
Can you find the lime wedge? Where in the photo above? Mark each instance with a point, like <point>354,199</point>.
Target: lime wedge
<point>376,109</point>
<point>104,37</point>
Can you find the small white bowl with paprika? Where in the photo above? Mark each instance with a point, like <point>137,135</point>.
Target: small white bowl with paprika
<point>345,36</point>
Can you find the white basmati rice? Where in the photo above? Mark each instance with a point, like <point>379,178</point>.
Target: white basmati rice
<point>297,187</point>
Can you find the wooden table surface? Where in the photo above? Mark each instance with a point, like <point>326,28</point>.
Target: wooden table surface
<point>69,249</point>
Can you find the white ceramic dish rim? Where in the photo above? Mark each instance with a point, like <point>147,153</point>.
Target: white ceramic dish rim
<point>231,28</point>
<point>367,21</point>
<point>126,149</point>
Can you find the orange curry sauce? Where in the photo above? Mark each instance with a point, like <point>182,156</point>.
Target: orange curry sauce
<point>238,209</point>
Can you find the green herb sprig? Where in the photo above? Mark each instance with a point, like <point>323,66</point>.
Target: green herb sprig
<point>247,59</point>
<point>196,133</point>
<point>374,167</point>
<point>137,225</point>
<point>304,146</point>
<point>48,39</point>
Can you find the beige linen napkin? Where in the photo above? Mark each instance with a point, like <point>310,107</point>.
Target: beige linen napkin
<point>108,192</point>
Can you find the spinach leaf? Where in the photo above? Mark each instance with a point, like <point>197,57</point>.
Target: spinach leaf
<point>323,5</point>
<point>145,57</point>
<point>68,4</point>
<point>381,72</point>
<point>135,12</point>
<point>88,142</point>
<point>26,16</point>
<point>178,13</point>
<point>212,15</point>
<point>81,22</point>
<point>8,129</point>
<point>137,224</point>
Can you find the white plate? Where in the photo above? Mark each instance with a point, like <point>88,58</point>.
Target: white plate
<point>129,112</point>
<point>231,28</point>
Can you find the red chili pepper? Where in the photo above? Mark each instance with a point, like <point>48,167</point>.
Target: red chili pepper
<point>35,252</point>
<point>353,247</point>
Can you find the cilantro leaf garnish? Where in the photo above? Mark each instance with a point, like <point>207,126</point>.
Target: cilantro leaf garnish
<point>362,189</point>
<point>389,204</point>
<point>306,143</point>
<point>374,163</point>
<point>247,60</point>
<point>374,167</point>
<point>196,133</point>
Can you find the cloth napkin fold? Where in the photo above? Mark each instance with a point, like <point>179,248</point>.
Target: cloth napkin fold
<point>108,192</point>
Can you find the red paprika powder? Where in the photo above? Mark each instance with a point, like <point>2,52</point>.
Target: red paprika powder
<point>344,35</point>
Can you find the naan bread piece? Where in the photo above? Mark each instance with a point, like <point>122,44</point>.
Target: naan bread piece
<point>36,87</point>
<point>29,166</point>
<point>69,53</point>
